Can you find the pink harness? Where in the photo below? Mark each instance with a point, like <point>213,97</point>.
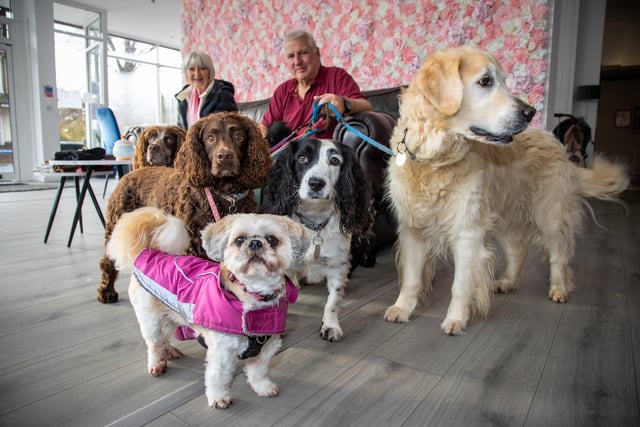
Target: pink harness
<point>191,286</point>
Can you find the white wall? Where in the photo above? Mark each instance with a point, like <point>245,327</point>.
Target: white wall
<point>589,56</point>
<point>34,67</point>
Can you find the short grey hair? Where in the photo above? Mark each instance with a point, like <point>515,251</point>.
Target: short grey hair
<point>301,34</point>
<point>198,59</point>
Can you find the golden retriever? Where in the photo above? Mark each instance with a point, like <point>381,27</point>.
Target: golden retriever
<point>473,172</point>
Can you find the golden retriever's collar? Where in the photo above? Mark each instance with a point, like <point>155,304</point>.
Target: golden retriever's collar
<point>401,157</point>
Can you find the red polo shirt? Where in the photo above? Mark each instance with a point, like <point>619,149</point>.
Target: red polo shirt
<point>286,106</point>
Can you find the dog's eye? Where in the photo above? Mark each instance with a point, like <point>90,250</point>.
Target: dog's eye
<point>238,137</point>
<point>240,240</point>
<point>485,81</point>
<point>273,241</point>
<point>302,159</point>
<point>210,139</point>
<point>334,161</point>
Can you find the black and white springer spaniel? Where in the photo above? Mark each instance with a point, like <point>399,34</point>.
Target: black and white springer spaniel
<point>318,183</point>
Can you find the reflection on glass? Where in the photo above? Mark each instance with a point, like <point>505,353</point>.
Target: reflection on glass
<point>6,144</point>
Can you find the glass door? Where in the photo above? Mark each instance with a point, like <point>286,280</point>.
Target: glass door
<point>8,149</point>
<point>80,73</point>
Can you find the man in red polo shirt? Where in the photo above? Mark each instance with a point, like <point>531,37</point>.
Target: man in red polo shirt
<point>292,101</point>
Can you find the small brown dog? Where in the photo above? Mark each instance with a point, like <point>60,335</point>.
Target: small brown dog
<point>223,158</point>
<point>158,146</point>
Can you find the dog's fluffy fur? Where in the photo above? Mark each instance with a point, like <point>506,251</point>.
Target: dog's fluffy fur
<point>224,152</point>
<point>158,146</point>
<point>257,249</point>
<point>476,173</point>
<point>319,184</point>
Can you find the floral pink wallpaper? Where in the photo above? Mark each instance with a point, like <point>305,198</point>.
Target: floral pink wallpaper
<point>381,43</point>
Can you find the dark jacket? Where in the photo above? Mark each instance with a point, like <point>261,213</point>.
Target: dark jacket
<point>220,98</point>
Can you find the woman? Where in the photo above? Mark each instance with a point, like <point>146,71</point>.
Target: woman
<point>203,94</point>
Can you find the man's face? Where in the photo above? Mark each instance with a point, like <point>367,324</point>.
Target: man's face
<point>302,61</point>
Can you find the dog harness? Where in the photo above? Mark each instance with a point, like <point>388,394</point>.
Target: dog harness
<point>191,286</point>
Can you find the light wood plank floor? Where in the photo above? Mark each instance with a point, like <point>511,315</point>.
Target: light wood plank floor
<point>67,360</point>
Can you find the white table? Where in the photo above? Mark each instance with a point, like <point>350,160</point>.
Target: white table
<point>85,170</point>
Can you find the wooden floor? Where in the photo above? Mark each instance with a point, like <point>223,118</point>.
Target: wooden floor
<point>67,360</point>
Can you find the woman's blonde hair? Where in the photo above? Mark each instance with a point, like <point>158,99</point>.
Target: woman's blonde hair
<point>201,60</point>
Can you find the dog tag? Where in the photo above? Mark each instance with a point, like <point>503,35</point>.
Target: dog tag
<point>401,158</point>
<point>317,241</point>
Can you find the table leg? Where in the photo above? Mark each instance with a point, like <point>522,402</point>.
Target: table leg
<point>76,181</point>
<point>83,192</point>
<point>95,203</point>
<point>54,208</point>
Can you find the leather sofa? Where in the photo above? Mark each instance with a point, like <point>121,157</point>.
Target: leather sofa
<point>378,125</point>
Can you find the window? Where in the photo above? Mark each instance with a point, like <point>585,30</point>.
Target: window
<point>142,80</point>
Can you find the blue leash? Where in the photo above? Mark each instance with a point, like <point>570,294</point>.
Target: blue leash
<point>339,118</point>
<point>315,116</point>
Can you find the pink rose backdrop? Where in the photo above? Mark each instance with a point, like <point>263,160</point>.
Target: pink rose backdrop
<point>381,44</point>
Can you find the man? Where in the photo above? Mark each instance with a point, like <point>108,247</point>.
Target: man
<point>292,101</point>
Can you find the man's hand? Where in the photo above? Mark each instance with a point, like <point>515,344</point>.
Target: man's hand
<point>338,102</point>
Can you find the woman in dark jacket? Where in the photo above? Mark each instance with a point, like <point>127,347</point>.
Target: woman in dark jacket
<point>203,94</point>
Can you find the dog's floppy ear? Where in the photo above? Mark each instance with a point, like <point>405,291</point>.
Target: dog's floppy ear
<point>192,158</point>
<point>354,194</point>
<point>215,237</point>
<point>300,238</point>
<point>279,195</point>
<point>439,81</point>
<point>140,156</point>
<point>180,135</point>
<point>257,161</point>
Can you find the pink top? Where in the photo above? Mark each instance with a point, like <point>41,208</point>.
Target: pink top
<point>191,286</point>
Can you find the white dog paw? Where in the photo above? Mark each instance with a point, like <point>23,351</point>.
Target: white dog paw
<point>158,369</point>
<point>266,389</point>
<point>503,286</point>
<point>221,403</point>
<point>453,327</point>
<point>556,295</point>
<point>396,314</point>
<point>330,334</point>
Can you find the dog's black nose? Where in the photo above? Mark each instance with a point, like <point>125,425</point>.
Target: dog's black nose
<point>316,184</point>
<point>224,156</point>
<point>255,245</point>
<point>528,112</point>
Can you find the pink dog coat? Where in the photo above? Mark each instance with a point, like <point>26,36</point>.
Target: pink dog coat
<point>191,286</point>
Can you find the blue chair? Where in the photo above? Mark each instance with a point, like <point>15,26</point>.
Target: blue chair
<point>109,130</point>
<point>109,133</point>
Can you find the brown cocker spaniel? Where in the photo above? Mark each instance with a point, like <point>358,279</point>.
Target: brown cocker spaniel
<point>224,153</point>
<point>158,146</point>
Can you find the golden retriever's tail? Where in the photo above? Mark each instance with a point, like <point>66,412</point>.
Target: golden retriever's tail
<point>146,228</point>
<point>604,181</point>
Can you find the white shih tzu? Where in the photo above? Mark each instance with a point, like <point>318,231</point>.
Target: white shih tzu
<point>238,303</point>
